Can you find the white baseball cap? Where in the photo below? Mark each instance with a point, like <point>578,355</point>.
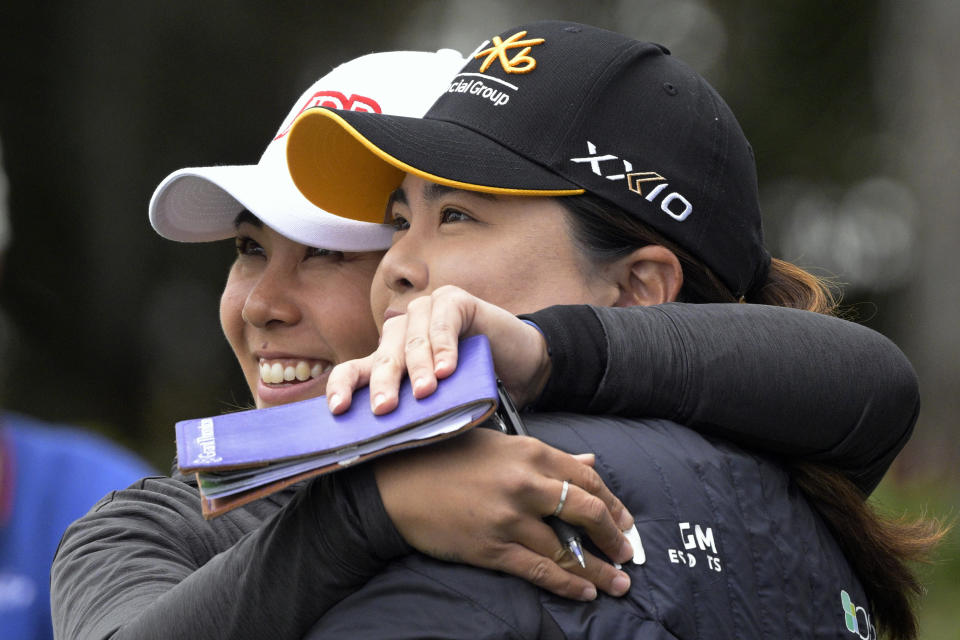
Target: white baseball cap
<point>200,204</point>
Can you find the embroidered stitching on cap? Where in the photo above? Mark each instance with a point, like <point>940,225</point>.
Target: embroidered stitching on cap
<point>679,212</point>
<point>634,180</point>
<point>499,52</point>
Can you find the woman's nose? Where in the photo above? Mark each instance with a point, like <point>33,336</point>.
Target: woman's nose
<point>272,301</point>
<point>403,268</point>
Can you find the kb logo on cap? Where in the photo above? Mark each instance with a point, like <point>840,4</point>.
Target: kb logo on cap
<point>335,100</point>
<point>520,63</point>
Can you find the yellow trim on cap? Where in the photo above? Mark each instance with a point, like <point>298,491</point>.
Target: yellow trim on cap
<point>340,171</point>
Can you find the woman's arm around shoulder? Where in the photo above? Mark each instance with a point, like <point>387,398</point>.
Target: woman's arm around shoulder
<point>790,382</point>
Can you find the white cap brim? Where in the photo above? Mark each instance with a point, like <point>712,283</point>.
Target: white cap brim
<point>201,204</point>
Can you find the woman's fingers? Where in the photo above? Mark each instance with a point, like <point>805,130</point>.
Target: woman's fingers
<point>389,366</point>
<point>519,350</point>
<point>528,565</point>
<point>586,478</point>
<point>423,343</point>
<point>453,315</point>
<point>588,459</point>
<point>542,559</point>
<point>344,379</point>
<point>591,514</point>
<point>589,503</point>
<point>419,348</point>
<point>382,370</point>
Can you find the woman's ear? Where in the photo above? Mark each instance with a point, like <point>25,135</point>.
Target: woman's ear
<point>649,275</point>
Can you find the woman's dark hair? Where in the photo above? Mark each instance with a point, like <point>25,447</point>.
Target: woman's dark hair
<point>605,233</point>
<point>878,548</point>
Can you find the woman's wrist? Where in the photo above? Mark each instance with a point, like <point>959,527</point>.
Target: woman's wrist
<point>577,350</point>
<point>541,371</point>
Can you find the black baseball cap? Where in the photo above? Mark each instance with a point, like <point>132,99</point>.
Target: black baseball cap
<point>555,109</point>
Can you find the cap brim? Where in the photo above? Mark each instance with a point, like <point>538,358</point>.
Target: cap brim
<point>195,204</point>
<point>349,162</point>
<point>201,205</point>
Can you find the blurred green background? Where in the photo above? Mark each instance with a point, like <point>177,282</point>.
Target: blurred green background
<point>853,110</point>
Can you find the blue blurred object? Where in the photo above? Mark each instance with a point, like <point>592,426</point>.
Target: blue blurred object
<point>50,475</point>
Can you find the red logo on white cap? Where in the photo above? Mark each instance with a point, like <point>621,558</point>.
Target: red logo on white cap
<point>335,100</point>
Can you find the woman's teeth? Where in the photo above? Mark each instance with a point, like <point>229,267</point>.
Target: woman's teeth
<point>276,373</point>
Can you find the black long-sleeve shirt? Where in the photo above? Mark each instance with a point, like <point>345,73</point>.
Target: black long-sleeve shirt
<point>145,564</point>
<point>794,383</point>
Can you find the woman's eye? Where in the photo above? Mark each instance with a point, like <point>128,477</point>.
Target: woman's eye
<point>453,215</point>
<point>400,223</point>
<point>247,246</point>
<point>316,252</point>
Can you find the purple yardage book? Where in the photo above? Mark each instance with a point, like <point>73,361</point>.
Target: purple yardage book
<point>246,455</point>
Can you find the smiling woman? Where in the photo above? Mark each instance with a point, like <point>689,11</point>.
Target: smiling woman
<point>610,240</point>
<point>144,563</point>
<point>286,345</point>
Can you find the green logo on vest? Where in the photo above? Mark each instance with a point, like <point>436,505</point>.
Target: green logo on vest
<point>856,618</point>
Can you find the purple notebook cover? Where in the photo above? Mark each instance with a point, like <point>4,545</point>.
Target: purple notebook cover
<point>259,436</point>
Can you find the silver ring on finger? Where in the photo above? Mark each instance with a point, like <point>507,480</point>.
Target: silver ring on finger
<point>563,498</point>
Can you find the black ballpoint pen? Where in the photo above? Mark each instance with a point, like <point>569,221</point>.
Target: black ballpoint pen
<point>510,422</point>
